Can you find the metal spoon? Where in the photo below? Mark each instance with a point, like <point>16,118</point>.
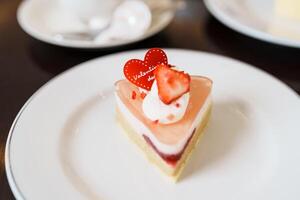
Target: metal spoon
<point>120,24</point>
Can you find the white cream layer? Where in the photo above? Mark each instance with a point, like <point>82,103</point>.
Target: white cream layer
<point>154,109</point>
<point>141,129</point>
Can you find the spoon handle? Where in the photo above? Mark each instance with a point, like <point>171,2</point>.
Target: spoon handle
<point>85,36</point>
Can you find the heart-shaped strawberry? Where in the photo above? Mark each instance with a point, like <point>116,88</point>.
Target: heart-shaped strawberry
<point>140,72</point>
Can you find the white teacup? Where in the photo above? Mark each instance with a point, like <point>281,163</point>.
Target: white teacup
<point>87,9</point>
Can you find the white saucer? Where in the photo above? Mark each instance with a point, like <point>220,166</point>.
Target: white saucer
<point>32,19</point>
<point>255,18</point>
<point>65,144</point>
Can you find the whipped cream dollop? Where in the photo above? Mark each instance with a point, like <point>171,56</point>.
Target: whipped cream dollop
<point>155,109</point>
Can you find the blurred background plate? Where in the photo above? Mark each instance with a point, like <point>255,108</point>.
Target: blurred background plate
<point>32,16</point>
<point>256,18</point>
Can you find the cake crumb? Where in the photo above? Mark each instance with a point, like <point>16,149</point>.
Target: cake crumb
<point>143,95</point>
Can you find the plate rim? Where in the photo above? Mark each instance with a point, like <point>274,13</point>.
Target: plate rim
<point>34,33</point>
<point>247,30</point>
<point>8,167</point>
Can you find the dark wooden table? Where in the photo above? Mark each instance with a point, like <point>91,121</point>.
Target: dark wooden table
<point>26,64</point>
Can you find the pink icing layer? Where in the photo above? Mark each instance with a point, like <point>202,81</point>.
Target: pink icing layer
<point>167,133</point>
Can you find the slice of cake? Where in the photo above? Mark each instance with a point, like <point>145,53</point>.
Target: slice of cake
<point>285,22</point>
<point>289,9</point>
<point>163,110</point>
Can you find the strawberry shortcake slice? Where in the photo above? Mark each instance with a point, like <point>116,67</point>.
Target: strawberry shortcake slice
<point>163,110</point>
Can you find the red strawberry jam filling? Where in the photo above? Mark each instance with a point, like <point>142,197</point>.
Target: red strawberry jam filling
<point>171,159</point>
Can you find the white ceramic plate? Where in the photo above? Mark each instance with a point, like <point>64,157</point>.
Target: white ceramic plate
<point>255,18</point>
<point>33,18</point>
<point>65,144</point>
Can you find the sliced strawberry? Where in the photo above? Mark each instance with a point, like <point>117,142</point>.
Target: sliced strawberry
<point>171,84</point>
